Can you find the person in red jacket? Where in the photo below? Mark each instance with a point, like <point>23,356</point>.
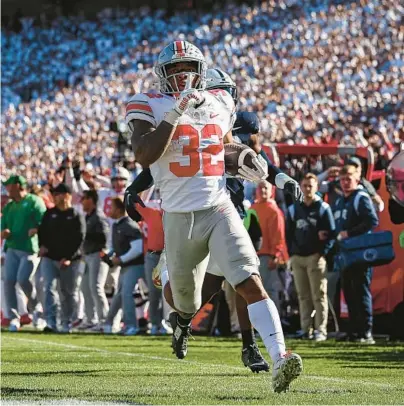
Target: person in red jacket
<point>273,253</point>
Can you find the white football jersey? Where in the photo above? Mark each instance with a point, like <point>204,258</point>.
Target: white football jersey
<point>190,175</point>
<point>105,196</point>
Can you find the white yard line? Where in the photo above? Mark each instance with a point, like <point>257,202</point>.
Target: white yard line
<point>203,364</point>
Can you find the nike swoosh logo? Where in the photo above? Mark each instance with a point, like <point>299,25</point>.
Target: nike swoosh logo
<point>273,334</point>
<point>213,115</point>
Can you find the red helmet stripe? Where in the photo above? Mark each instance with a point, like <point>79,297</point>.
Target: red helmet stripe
<point>178,45</point>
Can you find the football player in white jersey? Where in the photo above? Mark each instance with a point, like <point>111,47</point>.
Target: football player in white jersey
<point>180,134</point>
<point>120,177</point>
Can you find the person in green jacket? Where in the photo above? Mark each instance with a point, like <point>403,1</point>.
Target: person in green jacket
<point>19,226</point>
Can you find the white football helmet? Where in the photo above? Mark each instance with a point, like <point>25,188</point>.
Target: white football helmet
<point>217,79</point>
<point>120,177</point>
<point>180,51</point>
<point>120,173</point>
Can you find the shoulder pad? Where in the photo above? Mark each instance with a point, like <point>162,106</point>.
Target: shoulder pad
<point>224,97</point>
<point>246,123</point>
<point>139,108</point>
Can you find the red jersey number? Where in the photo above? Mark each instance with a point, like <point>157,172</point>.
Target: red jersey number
<point>191,149</point>
<point>107,206</point>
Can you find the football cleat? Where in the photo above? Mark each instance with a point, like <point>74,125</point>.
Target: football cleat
<point>252,358</point>
<point>179,341</point>
<point>285,370</point>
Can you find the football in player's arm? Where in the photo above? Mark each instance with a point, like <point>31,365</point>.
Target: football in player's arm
<point>275,176</point>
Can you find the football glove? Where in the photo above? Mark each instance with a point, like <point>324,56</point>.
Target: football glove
<point>289,186</point>
<point>130,199</point>
<point>257,172</point>
<point>188,98</point>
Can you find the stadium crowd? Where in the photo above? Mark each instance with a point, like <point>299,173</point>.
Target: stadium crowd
<point>316,73</point>
<point>323,72</point>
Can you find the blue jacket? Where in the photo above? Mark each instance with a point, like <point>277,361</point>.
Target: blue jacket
<point>303,224</point>
<point>355,213</point>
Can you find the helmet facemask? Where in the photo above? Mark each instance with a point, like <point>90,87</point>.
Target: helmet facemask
<point>170,84</point>
<point>232,91</point>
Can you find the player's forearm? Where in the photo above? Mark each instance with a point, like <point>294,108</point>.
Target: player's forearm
<point>151,146</point>
<point>272,169</point>
<point>142,182</point>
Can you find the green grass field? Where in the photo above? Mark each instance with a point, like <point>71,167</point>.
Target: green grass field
<point>142,370</point>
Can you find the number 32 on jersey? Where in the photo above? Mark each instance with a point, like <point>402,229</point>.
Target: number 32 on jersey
<point>196,156</point>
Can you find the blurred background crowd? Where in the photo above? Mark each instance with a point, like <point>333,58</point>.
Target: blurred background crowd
<point>318,72</point>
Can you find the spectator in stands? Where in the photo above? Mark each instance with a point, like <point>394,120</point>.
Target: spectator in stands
<point>367,186</point>
<point>96,273</point>
<point>45,195</point>
<point>127,244</point>
<point>152,216</point>
<point>310,229</point>
<point>21,218</point>
<point>333,189</point>
<point>273,253</point>
<point>321,97</point>
<point>61,235</point>
<point>355,215</point>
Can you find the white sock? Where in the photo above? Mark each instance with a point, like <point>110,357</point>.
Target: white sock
<point>164,277</point>
<point>264,317</point>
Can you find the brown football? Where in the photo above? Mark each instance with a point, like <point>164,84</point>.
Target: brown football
<point>231,157</point>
